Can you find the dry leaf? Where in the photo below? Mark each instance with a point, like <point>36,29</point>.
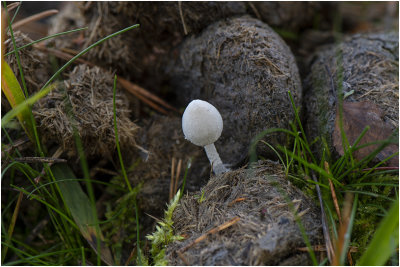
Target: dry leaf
<point>358,115</point>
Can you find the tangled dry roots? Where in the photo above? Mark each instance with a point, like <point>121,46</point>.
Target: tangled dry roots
<point>85,102</point>
<point>266,234</point>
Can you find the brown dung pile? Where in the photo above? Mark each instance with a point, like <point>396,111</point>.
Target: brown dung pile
<point>366,68</point>
<point>245,70</point>
<point>265,234</point>
<point>85,102</point>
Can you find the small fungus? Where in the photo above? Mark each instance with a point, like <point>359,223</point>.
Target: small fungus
<point>202,125</point>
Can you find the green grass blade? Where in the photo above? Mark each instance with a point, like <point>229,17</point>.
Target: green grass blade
<point>11,227</point>
<point>85,51</point>
<point>80,207</point>
<point>22,107</point>
<point>349,230</point>
<point>46,38</point>
<point>385,240</point>
<point>139,258</point>
<point>15,96</point>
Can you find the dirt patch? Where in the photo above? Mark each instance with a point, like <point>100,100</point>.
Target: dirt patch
<point>244,69</point>
<point>368,65</point>
<point>266,234</point>
<point>85,101</point>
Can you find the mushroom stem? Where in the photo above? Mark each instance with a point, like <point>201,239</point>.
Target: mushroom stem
<point>215,160</point>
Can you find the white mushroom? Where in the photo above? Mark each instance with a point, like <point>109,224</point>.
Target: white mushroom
<point>202,125</point>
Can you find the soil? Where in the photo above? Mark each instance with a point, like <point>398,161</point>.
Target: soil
<point>267,232</point>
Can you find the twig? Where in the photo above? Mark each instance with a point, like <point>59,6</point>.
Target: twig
<point>178,173</point>
<point>254,9</point>
<point>13,6</point>
<point>181,256</point>
<point>335,202</point>
<point>56,154</point>
<point>171,185</point>
<point>130,256</point>
<point>40,160</point>
<point>35,17</point>
<point>328,242</point>
<point>182,18</point>
<point>10,148</point>
<point>340,242</point>
<point>12,225</point>
<point>380,169</point>
<point>146,93</point>
<point>323,248</point>
<point>134,89</point>
<point>212,231</point>
<point>236,200</point>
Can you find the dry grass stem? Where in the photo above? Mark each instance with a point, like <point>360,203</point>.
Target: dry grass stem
<point>335,201</point>
<point>34,18</point>
<point>171,185</point>
<point>212,231</point>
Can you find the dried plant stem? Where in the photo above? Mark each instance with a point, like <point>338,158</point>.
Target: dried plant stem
<point>35,17</point>
<point>328,242</point>
<point>334,198</point>
<point>212,231</point>
<point>171,186</point>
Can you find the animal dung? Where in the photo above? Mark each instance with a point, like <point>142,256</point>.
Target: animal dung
<point>363,70</point>
<point>84,102</point>
<point>243,68</point>
<point>246,217</point>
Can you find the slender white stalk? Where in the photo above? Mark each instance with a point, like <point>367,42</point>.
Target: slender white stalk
<point>215,160</point>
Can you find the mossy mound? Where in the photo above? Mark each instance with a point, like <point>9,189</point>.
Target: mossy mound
<point>245,70</point>
<point>266,233</point>
<point>85,102</point>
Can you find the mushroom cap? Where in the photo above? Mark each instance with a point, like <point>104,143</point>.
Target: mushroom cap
<point>201,123</point>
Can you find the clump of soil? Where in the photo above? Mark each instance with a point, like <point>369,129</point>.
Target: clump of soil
<point>245,70</point>
<point>368,65</point>
<point>85,101</point>
<point>34,63</point>
<point>163,138</point>
<point>266,234</point>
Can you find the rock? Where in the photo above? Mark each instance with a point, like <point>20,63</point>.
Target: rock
<point>243,68</point>
<point>366,67</point>
<point>266,233</point>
